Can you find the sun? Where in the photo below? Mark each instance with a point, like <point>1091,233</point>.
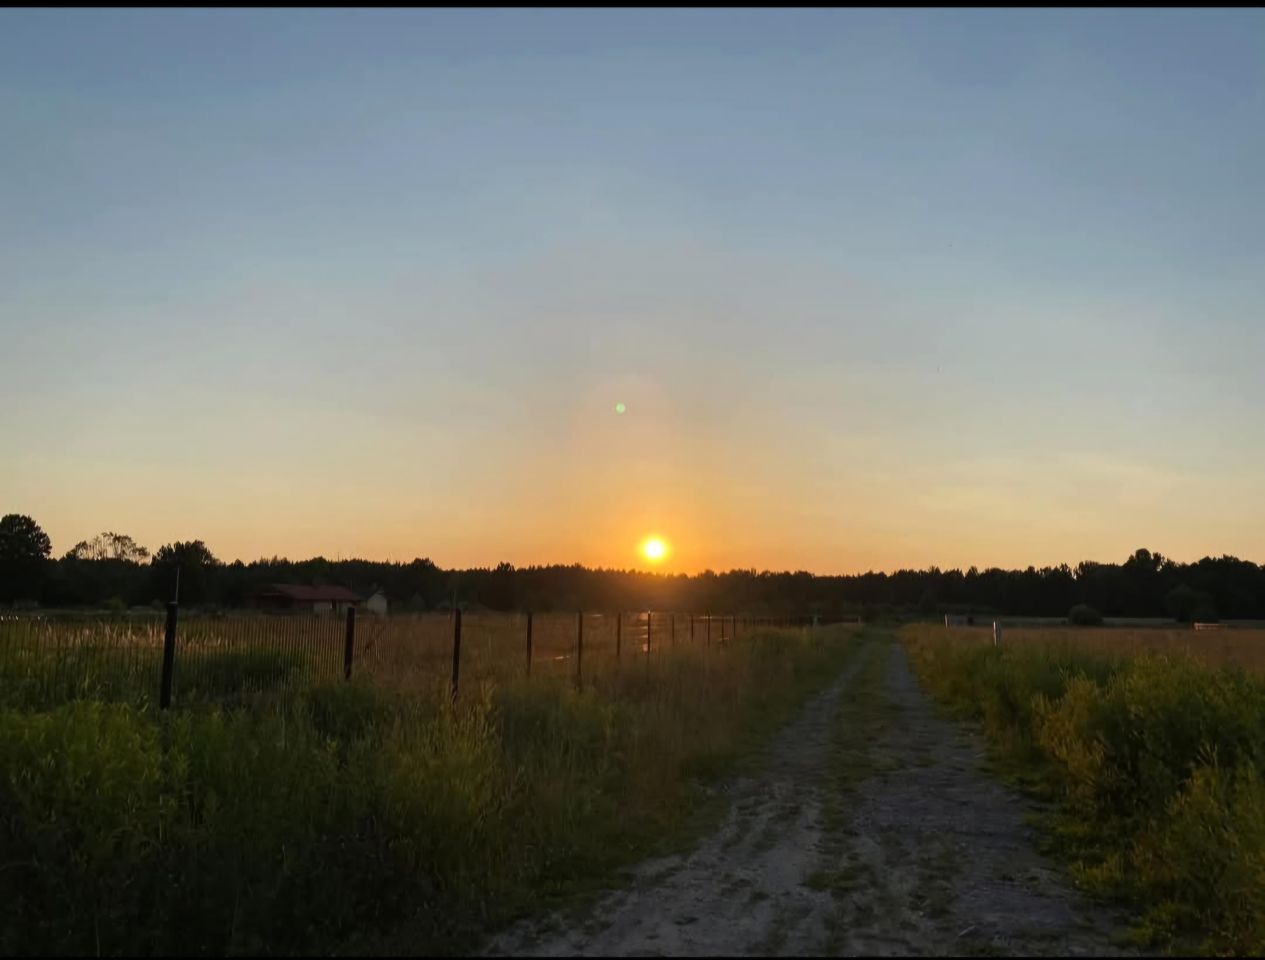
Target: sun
<point>654,549</point>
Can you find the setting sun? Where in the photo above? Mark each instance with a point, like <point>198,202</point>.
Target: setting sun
<point>654,549</point>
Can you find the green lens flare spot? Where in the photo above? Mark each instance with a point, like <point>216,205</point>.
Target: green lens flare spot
<point>620,408</point>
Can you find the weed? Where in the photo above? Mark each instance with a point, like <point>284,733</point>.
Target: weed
<point>1155,760</point>
<point>360,816</point>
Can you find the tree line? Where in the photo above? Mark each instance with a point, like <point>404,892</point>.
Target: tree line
<point>112,571</point>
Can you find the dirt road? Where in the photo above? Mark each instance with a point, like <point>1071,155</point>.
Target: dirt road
<point>868,829</point>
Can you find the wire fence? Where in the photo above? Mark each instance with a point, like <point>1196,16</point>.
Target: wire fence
<point>185,661</point>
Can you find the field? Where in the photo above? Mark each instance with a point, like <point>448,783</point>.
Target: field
<point>288,810</point>
<point>278,807</point>
<point>52,660</point>
<point>1229,646</point>
<point>1152,744</point>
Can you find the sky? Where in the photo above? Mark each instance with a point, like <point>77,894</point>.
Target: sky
<point>877,289</point>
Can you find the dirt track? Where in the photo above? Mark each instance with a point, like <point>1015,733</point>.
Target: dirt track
<point>869,829</point>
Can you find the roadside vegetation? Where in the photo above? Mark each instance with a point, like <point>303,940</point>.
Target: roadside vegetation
<point>1155,762</point>
<point>356,817</point>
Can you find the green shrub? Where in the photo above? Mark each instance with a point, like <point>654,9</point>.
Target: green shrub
<point>83,807</point>
<point>1150,725</point>
<point>1083,615</point>
<point>1203,863</point>
<point>1206,613</point>
<point>348,808</point>
<point>223,675</point>
<point>1156,760</point>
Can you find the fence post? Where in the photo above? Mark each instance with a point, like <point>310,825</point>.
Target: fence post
<point>996,634</point>
<point>456,651</point>
<point>649,634</point>
<point>579,649</point>
<point>691,629</point>
<point>619,634</point>
<point>169,657</point>
<point>709,630</point>
<point>529,643</point>
<point>673,629</point>
<point>351,642</point>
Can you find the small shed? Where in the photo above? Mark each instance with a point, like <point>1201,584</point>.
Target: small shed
<point>300,598</point>
<point>377,603</point>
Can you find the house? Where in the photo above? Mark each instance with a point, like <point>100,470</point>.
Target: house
<point>377,603</point>
<point>300,598</point>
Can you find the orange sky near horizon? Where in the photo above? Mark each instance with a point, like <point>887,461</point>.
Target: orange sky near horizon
<point>847,522</point>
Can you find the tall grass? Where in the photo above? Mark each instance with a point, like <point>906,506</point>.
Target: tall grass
<point>1225,647</point>
<point>1156,760</point>
<point>357,814</point>
<point>47,661</point>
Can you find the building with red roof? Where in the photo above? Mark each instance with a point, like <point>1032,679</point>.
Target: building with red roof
<point>300,598</point>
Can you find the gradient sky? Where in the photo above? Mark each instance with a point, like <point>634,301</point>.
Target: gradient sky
<point>879,289</point>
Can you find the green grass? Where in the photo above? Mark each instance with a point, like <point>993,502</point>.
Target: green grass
<point>863,716</point>
<point>352,818</point>
<point>859,719</point>
<point>37,677</point>
<point>861,713</point>
<point>1154,764</point>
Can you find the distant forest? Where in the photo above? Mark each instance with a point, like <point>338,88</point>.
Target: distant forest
<point>112,572</point>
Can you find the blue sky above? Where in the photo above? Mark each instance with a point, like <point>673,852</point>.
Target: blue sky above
<point>879,288</point>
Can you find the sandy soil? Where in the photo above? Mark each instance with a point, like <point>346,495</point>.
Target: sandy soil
<point>869,829</point>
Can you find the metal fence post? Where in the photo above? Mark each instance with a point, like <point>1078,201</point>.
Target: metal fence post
<point>169,657</point>
<point>456,651</point>
<point>691,628</point>
<point>579,650</point>
<point>529,643</point>
<point>649,634</point>
<point>351,642</point>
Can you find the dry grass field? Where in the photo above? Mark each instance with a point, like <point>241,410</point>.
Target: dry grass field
<point>1228,646</point>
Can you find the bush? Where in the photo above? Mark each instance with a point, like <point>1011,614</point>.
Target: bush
<point>1083,615</point>
<point>1209,848</point>
<point>347,808</point>
<point>1189,605</point>
<point>1156,760</point>
<point>1205,613</point>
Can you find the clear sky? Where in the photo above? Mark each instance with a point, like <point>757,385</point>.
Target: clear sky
<point>877,289</point>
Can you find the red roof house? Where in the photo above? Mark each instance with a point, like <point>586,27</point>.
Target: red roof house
<point>300,598</point>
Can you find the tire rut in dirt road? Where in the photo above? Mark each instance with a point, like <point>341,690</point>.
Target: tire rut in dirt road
<point>740,892</point>
<point>936,857</point>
